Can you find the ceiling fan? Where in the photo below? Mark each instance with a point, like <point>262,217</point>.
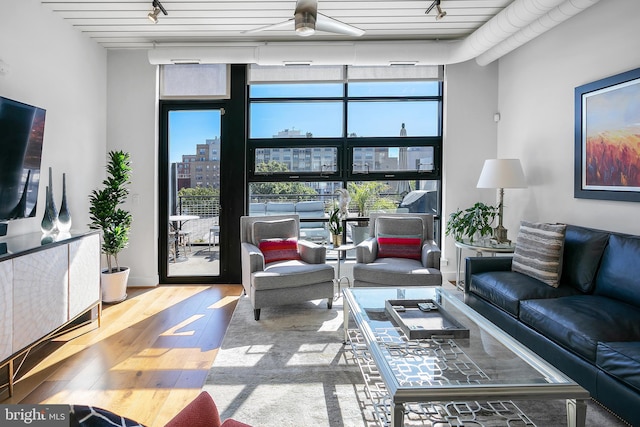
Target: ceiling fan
<point>307,20</point>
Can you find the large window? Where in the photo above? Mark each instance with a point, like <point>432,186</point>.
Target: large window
<point>374,130</point>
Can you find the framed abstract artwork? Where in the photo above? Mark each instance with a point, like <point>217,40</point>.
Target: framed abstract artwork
<point>607,138</point>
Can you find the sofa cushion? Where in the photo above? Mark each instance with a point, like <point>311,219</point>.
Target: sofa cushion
<point>402,271</point>
<point>620,269</point>
<point>583,249</point>
<point>275,229</point>
<point>257,209</point>
<point>507,288</point>
<point>538,251</point>
<point>579,322</point>
<point>294,273</point>
<point>92,416</point>
<point>279,249</point>
<point>399,247</point>
<point>280,208</point>
<point>311,210</point>
<point>621,360</point>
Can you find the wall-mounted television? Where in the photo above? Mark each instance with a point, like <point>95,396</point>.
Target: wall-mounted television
<point>21,135</point>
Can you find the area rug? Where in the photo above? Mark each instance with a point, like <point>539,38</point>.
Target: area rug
<point>291,369</point>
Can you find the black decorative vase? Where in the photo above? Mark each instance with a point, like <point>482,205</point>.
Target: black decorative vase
<point>64,217</point>
<point>49,219</point>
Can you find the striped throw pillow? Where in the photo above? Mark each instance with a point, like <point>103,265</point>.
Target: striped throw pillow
<point>279,249</point>
<point>399,247</point>
<point>538,251</point>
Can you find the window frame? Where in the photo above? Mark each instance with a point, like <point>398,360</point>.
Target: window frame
<point>345,145</point>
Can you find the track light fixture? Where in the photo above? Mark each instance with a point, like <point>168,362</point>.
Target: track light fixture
<point>157,8</point>
<point>441,13</point>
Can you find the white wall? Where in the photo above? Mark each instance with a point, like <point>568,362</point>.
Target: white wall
<point>55,67</point>
<point>536,95</point>
<point>470,137</point>
<point>133,127</point>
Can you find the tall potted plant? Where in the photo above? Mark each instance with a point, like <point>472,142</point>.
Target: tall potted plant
<point>362,194</point>
<point>114,223</point>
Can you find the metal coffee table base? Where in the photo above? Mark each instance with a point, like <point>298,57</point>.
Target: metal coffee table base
<point>442,413</point>
<point>416,373</point>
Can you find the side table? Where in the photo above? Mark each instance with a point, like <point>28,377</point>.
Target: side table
<point>177,222</point>
<point>341,249</point>
<point>479,247</point>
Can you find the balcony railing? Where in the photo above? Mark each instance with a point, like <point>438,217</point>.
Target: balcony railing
<point>207,208</point>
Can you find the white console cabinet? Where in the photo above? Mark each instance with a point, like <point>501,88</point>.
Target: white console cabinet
<point>45,285</point>
<point>6,309</point>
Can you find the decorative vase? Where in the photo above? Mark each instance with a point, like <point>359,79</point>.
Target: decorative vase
<point>336,239</point>
<point>50,211</point>
<point>49,219</point>
<point>64,217</point>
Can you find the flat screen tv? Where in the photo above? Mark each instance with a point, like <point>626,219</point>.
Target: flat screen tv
<point>21,134</point>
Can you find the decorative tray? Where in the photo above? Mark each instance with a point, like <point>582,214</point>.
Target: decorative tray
<point>419,324</point>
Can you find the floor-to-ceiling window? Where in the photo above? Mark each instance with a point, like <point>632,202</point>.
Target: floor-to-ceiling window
<point>376,131</point>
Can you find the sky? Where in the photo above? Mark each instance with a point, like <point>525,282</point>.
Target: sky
<point>188,128</point>
<point>612,109</point>
<point>322,118</point>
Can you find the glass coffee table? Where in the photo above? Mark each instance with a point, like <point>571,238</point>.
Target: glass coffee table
<point>487,366</point>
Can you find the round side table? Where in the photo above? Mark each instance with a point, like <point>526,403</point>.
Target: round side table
<point>480,247</point>
<point>341,249</point>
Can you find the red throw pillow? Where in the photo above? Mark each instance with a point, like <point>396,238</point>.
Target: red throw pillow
<point>400,247</point>
<point>279,249</point>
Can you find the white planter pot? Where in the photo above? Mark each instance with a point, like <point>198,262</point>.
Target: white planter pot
<point>114,285</point>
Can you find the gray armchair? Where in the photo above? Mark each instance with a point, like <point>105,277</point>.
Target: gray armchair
<point>400,252</point>
<point>291,277</point>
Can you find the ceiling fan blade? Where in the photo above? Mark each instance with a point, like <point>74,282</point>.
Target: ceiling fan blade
<point>287,25</point>
<point>330,25</point>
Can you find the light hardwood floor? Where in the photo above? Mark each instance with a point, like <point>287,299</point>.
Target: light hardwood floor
<point>149,358</point>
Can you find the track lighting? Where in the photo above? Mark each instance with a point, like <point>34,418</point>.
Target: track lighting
<point>441,13</point>
<point>157,8</point>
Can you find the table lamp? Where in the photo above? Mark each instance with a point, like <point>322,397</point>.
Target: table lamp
<point>501,173</point>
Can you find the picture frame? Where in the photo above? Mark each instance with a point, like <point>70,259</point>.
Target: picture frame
<point>607,138</point>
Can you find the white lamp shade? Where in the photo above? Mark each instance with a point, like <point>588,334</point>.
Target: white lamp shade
<point>502,173</point>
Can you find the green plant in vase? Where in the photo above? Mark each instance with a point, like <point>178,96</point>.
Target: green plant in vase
<point>472,222</point>
<point>114,223</point>
<point>335,226</point>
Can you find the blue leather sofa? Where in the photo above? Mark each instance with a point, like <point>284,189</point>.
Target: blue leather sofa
<point>588,327</point>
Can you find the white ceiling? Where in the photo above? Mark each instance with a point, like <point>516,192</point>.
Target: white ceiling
<point>121,24</point>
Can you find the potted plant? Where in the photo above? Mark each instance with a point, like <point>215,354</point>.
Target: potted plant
<point>335,226</point>
<point>471,223</point>
<point>114,223</point>
<point>362,195</point>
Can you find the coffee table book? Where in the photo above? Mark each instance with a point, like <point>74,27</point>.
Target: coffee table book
<point>418,324</point>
